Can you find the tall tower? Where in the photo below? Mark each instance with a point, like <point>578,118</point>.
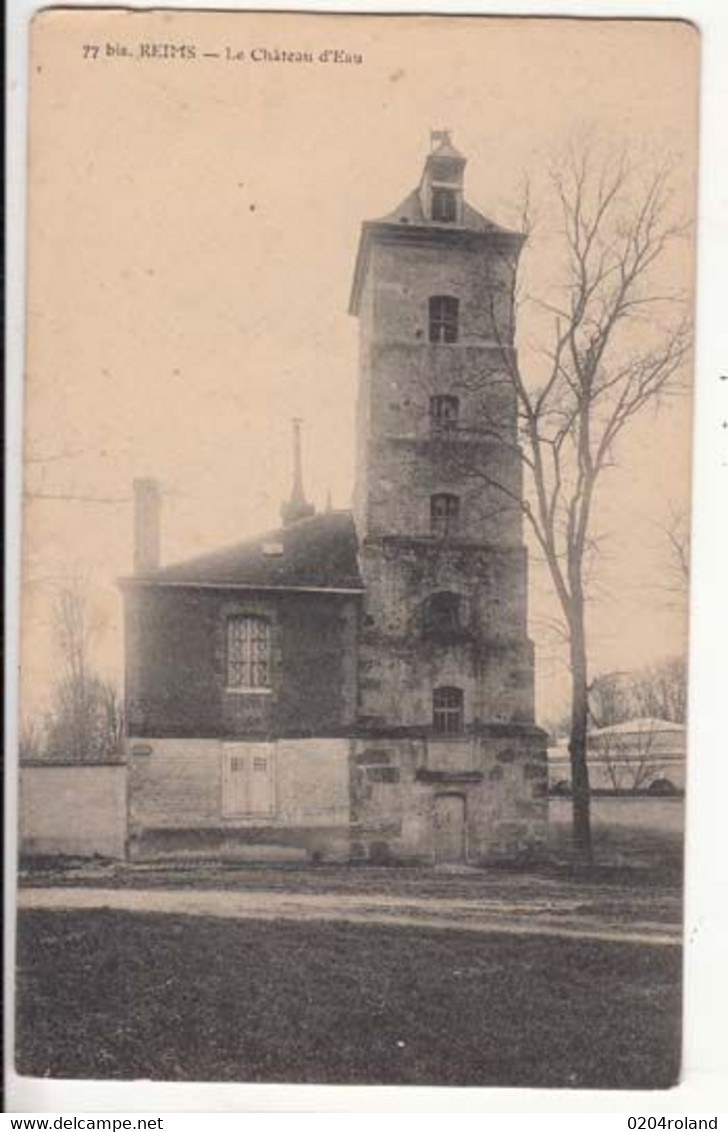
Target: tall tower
<point>444,645</point>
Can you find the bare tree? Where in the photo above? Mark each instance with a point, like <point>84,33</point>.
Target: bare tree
<point>72,630</point>
<point>40,462</point>
<point>678,538</point>
<point>661,690</point>
<point>611,698</point>
<point>656,691</point>
<point>31,741</point>
<point>631,760</point>
<point>85,720</point>
<point>613,340</point>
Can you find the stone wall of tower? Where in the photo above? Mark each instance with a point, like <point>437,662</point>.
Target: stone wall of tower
<point>400,370</point>
<point>401,662</point>
<point>403,462</point>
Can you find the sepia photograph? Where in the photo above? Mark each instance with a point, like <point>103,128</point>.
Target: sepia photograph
<point>356,549</point>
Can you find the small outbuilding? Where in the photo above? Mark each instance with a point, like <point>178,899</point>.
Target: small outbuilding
<point>636,756</point>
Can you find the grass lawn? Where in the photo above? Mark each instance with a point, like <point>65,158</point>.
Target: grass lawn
<point>108,994</point>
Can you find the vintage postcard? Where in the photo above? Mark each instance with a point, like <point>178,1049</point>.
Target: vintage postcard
<point>356,548</point>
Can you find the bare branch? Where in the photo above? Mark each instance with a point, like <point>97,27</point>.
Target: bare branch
<point>616,339</point>
<point>68,497</point>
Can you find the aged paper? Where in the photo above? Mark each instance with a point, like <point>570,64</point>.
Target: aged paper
<point>356,548</point>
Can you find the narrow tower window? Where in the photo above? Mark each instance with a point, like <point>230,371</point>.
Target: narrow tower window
<point>447,711</point>
<point>248,652</point>
<point>444,412</point>
<point>444,514</point>
<point>443,318</point>
<point>444,206</point>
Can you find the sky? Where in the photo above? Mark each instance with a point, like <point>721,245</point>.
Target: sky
<point>193,225</point>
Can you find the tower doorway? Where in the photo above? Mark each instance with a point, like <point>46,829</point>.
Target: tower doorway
<point>449,828</point>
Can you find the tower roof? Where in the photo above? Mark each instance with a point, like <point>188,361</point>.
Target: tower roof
<point>414,220</point>
<point>410,211</point>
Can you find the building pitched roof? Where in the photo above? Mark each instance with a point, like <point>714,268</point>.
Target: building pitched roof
<point>314,553</point>
<point>408,223</point>
<point>638,726</point>
<point>410,211</point>
<point>642,726</point>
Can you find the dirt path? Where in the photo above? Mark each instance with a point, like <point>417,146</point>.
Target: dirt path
<point>533,917</point>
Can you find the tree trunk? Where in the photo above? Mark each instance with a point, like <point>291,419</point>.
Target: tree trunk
<point>581,816</point>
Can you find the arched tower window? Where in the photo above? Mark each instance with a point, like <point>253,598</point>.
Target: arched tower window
<point>444,614</point>
<point>444,412</point>
<point>447,710</point>
<point>443,318</point>
<point>444,514</point>
<point>248,653</point>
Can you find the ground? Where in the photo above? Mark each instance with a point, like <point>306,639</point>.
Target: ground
<point>117,995</point>
<point>544,975</point>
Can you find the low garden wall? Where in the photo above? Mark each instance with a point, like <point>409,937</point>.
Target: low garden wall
<point>630,811</point>
<point>72,810</point>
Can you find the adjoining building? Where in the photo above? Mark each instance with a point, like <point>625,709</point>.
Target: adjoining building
<point>359,685</point>
<point>636,756</point>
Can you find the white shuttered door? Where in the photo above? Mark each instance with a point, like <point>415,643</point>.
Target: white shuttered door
<point>248,780</point>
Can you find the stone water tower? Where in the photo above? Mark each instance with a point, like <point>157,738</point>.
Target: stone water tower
<point>444,646</point>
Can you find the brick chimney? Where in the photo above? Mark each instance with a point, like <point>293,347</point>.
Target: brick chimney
<point>147,507</point>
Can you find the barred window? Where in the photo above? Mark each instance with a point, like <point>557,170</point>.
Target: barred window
<point>444,412</point>
<point>248,652</point>
<point>447,710</point>
<point>444,206</point>
<point>443,320</point>
<point>444,514</point>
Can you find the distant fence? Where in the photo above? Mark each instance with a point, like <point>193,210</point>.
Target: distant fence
<point>74,810</point>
